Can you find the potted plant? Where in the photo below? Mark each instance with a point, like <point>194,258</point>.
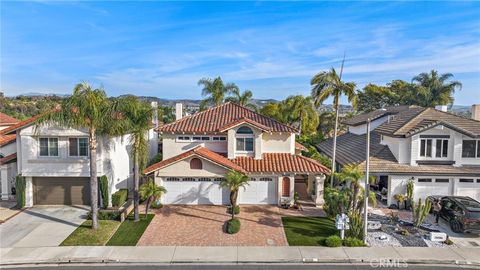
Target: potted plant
<point>400,199</point>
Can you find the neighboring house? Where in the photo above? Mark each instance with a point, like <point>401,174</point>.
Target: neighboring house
<point>438,150</point>
<point>8,157</point>
<point>55,162</point>
<point>199,150</point>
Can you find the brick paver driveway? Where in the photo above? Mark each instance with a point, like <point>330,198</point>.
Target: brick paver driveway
<point>203,226</point>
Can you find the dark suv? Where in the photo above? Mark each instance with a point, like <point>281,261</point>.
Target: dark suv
<point>463,213</point>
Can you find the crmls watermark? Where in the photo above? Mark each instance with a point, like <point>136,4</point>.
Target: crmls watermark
<point>388,263</point>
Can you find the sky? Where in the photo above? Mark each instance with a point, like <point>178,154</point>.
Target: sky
<point>273,49</point>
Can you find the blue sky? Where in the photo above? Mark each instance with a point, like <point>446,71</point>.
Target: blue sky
<point>272,48</point>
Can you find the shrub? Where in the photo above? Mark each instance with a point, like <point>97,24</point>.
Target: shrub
<point>104,190</point>
<point>333,241</point>
<point>448,242</point>
<point>353,242</point>
<point>119,197</point>
<point>105,215</point>
<point>356,226</point>
<point>236,210</point>
<point>157,158</point>
<point>156,204</point>
<point>20,188</point>
<point>404,232</point>
<point>233,226</point>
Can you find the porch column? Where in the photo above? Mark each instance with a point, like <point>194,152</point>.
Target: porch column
<point>319,181</point>
<point>28,191</point>
<point>4,179</point>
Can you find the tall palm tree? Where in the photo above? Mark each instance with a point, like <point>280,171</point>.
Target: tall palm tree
<point>244,99</point>
<point>139,119</point>
<point>215,91</point>
<point>151,192</point>
<point>234,181</point>
<point>329,84</point>
<point>301,110</point>
<point>438,89</point>
<point>90,109</point>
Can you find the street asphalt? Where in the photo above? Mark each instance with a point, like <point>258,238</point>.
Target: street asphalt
<point>247,267</point>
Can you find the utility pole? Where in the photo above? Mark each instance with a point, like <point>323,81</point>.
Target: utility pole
<point>367,185</point>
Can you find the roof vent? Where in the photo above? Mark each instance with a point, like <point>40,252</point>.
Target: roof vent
<point>442,108</point>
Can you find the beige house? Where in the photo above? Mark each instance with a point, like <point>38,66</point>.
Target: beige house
<point>199,150</point>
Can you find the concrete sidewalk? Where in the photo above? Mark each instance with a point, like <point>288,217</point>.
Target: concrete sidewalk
<point>172,255</point>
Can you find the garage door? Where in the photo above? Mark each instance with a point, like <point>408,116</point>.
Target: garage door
<point>259,191</point>
<point>61,190</point>
<point>194,191</point>
<point>431,186</point>
<point>468,187</point>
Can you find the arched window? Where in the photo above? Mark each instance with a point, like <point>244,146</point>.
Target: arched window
<point>244,130</point>
<point>286,187</point>
<point>195,164</point>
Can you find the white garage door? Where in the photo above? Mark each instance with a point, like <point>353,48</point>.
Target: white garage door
<point>431,186</point>
<point>194,191</point>
<point>259,191</point>
<point>468,187</point>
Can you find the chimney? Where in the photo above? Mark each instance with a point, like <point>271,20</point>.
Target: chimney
<point>442,108</point>
<point>154,105</point>
<point>178,111</point>
<point>476,112</point>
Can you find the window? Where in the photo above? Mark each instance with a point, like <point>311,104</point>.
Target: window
<point>469,147</point>
<point>219,138</point>
<point>441,148</point>
<point>189,179</point>
<point>244,130</point>
<point>183,138</point>
<point>252,179</point>
<point>195,164</point>
<point>426,147</point>
<point>266,179</point>
<point>205,138</point>
<point>219,179</point>
<point>172,179</point>
<point>245,144</point>
<point>442,180</point>
<point>463,180</point>
<point>48,147</point>
<point>424,180</point>
<point>78,147</point>
<point>204,179</point>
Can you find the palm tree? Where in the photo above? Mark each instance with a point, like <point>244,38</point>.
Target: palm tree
<point>151,192</point>
<point>215,91</point>
<point>301,110</point>
<point>439,90</point>
<point>244,99</point>
<point>90,109</point>
<point>139,116</point>
<point>352,175</point>
<point>330,84</point>
<point>234,181</point>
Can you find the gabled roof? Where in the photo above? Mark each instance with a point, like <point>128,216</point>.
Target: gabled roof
<point>8,158</point>
<point>281,163</point>
<point>7,120</point>
<point>222,117</point>
<point>21,124</point>
<point>413,121</point>
<point>197,151</point>
<point>373,115</point>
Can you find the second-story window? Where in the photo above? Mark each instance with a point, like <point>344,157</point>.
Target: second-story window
<point>244,139</point>
<point>48,147</point>
<point>426,148</point>
<point>437,148</point>
<point>441,148</point>
<point>470,148</point>
<point>78,147</point>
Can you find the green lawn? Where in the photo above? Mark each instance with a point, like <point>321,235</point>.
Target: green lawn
<point>308,231</point>
<point>130,232</point>
<point>85,236</point>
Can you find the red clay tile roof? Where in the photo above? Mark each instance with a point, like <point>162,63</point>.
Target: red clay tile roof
<point>300,147</point>
<point>20,124</point>
<point>6,139</point>
<point>219,118</point>
<point>281,163</point>
<point>7,120</point>
<point>245,121</point>
<point>199,151</point>
<point>8,158</point>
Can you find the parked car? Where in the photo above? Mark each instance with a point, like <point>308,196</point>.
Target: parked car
<point>463,213</point>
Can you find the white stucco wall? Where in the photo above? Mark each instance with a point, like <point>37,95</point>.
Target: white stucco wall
<point>278,142</point>
<point>400,148</point>
<point>182,169</point>
<point>171,147</point>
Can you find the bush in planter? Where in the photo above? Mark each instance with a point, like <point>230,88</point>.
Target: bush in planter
<point>233,226</point>
<point>103,183</point>
<point>236,210</point>
<point>156,204</point>
<point>353,242</point>
<point>333,241</point>
<point>119,197</point>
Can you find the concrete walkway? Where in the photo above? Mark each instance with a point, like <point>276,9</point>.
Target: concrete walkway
<point>173,254</point>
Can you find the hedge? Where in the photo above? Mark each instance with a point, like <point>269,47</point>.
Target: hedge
<point>333,241</point>
<point>104,190</point>
<point>119,197</point>
<point>20,186</point>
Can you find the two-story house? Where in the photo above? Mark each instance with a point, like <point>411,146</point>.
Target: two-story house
<point>438,150</point>
<point>55,162</point>
<point>199,150</point>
